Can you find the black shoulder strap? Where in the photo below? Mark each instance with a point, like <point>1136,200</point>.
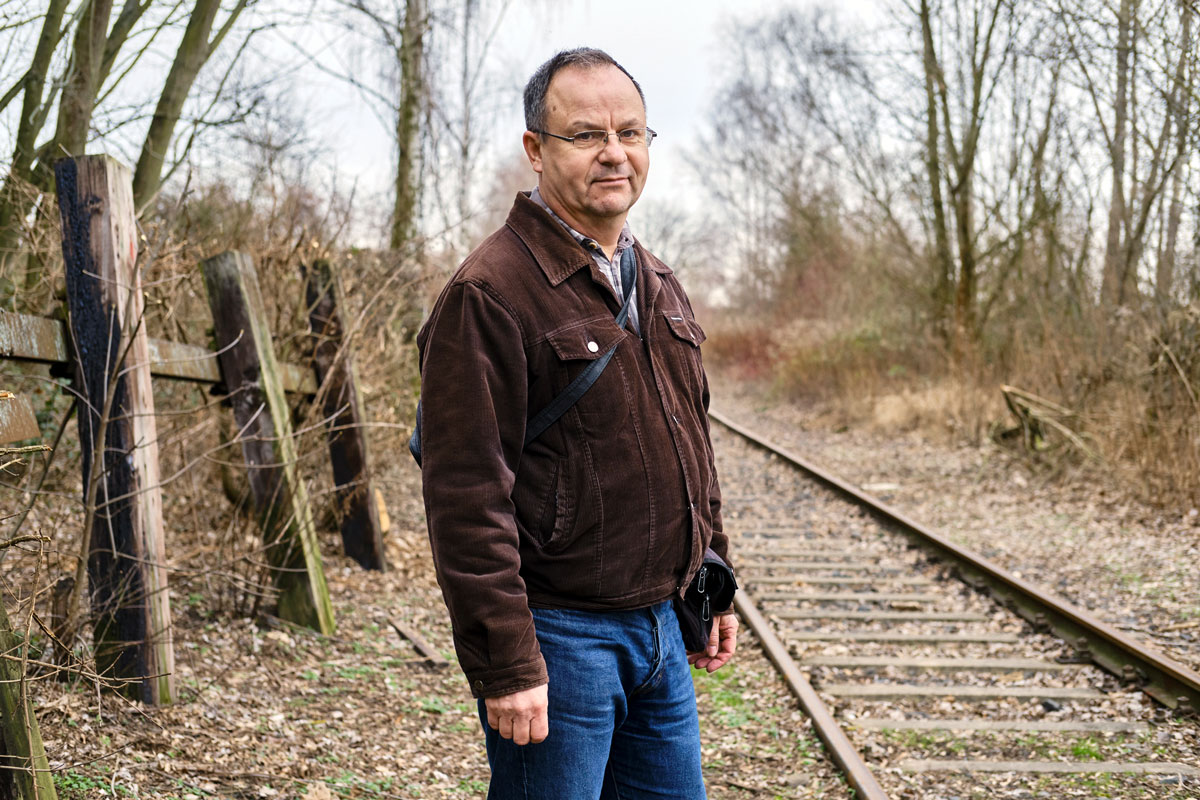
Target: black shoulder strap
<point>584,380</point>
<point>576,388</point>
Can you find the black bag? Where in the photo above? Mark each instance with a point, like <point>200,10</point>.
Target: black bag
<point>709,593</point>
<point>576,389</point>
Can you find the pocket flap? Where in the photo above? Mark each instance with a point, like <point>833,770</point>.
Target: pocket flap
<point>586,342</point>
<point>684,328</point>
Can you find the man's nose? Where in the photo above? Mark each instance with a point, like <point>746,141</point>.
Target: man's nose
<point>613,151</point>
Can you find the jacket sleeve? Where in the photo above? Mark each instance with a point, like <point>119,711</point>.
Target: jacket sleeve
<point>473,389</point>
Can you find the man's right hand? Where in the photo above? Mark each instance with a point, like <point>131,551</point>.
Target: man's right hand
<point>520,716</point>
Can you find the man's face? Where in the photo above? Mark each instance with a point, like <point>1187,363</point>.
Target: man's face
<point>593,188</point>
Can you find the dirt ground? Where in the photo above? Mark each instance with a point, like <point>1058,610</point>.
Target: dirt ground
<point>267,710</point>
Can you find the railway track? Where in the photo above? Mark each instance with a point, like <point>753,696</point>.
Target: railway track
<point>929,671</point>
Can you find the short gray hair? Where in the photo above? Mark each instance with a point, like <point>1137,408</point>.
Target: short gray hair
<point>539,83</point>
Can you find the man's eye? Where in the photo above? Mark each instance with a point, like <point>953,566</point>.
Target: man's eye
<point>630,134</point>
<point>587,136</point>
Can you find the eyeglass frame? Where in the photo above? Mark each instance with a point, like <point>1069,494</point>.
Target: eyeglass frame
<point>651,135</point>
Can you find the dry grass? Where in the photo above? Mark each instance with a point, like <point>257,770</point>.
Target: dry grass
<point>1131,387</point>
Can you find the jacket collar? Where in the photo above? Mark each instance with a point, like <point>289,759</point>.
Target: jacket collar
<point>553,247</point>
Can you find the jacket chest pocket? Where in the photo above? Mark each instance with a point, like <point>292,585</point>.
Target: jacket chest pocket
<point>579,349</point>
<point>683,349</point>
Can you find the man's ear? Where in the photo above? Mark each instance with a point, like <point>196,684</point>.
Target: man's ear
<point>533,150</point>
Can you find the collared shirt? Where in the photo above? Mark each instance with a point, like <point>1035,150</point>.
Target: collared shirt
<point>610,268</point>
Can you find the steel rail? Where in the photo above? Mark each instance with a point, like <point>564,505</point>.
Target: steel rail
<point>1171,683</point>
<point>857,773</point>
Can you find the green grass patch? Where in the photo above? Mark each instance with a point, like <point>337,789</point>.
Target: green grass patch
<point>1087,750</point>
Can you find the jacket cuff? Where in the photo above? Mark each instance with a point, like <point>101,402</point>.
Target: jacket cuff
<point>497,683</point>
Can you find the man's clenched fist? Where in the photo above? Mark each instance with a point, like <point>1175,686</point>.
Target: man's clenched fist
<point>520,716</point>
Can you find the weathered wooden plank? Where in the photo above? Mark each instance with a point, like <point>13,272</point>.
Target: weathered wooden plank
<point>949,664</point>
<point>32,338</point>
<point>421,644</point>
<point>333,363</point>
<point>884,691</point>
<point>24,770</point>
<point>127,574</point>
<point>183,361</point>
<point>296,379</point>
<point>17,421</point>
<point>27,338</point>
<point>252,376</point>
<point>1049,767</point>
<point>1043,726</point>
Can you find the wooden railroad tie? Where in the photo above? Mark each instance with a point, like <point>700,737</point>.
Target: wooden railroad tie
<point>1049,767</point>
<point>851,597</point>
<point>901,691</point>
<point>949,664</point>
<point>985,637</point>
<point>1032,726</point>
<point>836,580</point>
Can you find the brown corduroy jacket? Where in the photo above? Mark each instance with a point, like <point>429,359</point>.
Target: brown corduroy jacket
<point>613,505</point>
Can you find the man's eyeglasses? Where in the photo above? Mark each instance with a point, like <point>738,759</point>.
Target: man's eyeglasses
<point>594,140</point>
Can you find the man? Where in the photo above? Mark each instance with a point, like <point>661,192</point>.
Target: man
<point>558,558</point>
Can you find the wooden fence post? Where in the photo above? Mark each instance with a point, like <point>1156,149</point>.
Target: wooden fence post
<point>252,377</point>
<point>23,761</point>
<point>24,770</point>
<point>126,565</point>
<point>357,510</point>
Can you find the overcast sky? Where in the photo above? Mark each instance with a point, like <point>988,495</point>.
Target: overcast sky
<point>672,48</point>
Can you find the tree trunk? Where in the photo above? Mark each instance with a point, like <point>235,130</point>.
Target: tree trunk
<point>131,12</point>
<point>964,297</point>
<point>14,205</point>
<point>1111,293</point>
<point>1164,279</point>
<point>79,94</point>
<point>412,94</point>
<point>194,50</point>
<point>942,256</point>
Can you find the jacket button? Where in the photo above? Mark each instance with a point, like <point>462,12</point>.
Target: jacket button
<point>479,685</point>
<point>592,347</point>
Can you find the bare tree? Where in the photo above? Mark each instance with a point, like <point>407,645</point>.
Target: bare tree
<point>194,50</point>
<point>97,50</point>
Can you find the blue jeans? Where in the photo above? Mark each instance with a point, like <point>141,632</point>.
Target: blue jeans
<point>622,711</point>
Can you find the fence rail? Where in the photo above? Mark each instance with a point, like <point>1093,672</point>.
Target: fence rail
<point>39,339</point>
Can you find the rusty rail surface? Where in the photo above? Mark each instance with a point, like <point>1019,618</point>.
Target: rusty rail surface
<point>858,774</point>
<point>1166,680</point>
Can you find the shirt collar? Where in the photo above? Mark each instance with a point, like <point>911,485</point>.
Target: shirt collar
<point>624,239</point>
